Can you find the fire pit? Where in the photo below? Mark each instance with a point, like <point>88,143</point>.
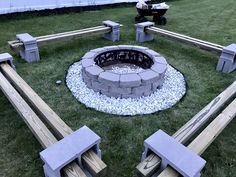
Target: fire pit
<point>145,78</point>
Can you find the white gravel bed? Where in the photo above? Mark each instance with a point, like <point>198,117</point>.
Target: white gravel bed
<point>172,91</point>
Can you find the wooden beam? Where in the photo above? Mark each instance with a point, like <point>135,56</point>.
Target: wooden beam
<point>16,45</point>
<point>69,32</point>
<point>148,167</point>
<point>73,35</point>
<point>96,165</point>
<point>93,164</point>
<point>208,135</point>
<point>188,37</point>
<point>37,127</point>
<point>187,40</point>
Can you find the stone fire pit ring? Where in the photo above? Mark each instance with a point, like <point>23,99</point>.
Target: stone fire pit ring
<point>128,85</point>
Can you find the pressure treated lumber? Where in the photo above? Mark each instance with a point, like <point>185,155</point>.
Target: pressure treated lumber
<point>41,40</point>
<point>95,165</point>
<point>186,39</point>
<point>152,162</point>
<point>208,135</point>
<point>37,127</point>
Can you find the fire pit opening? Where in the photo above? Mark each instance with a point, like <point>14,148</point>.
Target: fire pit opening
<point>126,56</point>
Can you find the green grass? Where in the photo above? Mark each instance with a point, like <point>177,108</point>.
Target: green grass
<point>122,137</point>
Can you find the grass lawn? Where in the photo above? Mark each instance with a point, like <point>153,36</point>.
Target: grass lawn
<point>122,137</point>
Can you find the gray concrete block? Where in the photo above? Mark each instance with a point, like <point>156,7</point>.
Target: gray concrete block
<point>174,154</point>
<point>113,47</point>
<point>149,76</point>
<point>141,35</point>
<point>157,85</point>
<point>87,62</point>
<point>138,94</point>
<point>160,60</point>
<point>30,52</point>
<point>98,50</point>
<point>99,86</point>
<point>147,92</point>
<point>227,60</point>
<point>231,49</point>
<point>140,48</point>
<point>125,96</point>
<point>151,53</point>
<point>128,47</point>
<point>89,55</point>
<point>26,38</point>
<point>114,35</point>
<point>6,57</point>
<point>130,80</point>
<point>93,71</point>
<point>88,84</point>
<point>109,94</point>
<point>142,89</point>
<point>159,68</point>
<point>69,149</point>
<point>120,90</point>
<point>109,78</point>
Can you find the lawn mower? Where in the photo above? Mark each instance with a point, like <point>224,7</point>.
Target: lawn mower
<point>148,8</point>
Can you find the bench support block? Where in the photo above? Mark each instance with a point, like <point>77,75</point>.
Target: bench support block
<point>114,35</point>
<point>6,57</point>
<point>141,35</point>
<point>174,154</point>
<point>227,61</point>
<point>30,52</point>
<point>69,149</point>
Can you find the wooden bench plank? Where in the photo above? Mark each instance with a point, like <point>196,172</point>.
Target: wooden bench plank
<point>16,45</point>
<point>150,165</point>
<point>204,46</point>
<point>37,127</point>
<point>73,35</point>
<point>188,37</point>
<point>96,166</point>
<point>208,135</point>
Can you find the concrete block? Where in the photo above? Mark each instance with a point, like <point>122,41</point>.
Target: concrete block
<point>130,80</point>
<point>89,55</point>
<point>114,35</point>
<point>151,53</point>
<point>230,49</point>
<point>142,89</point>
<point>99,86</point>
<point>6,57</point>
<point>87,62</point>
<point>128,47</point>
<point>147,92</point>
<point>227,60</point>
<point>120,90</point>
<point>109,94</point>
<point>69,149</point>
<point>93,71</point>
<point>110,48</point>
<point>98,50</point>
<point>157,85</point>
<point>30,52</point>
<point>174,154</point>
<point>109,78</point>
<point>139,48</point>
<point>88,84</point>
<point>141,35</point>
<point>149,76</point>
<point>159,68</point>
<point>160,60</point>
